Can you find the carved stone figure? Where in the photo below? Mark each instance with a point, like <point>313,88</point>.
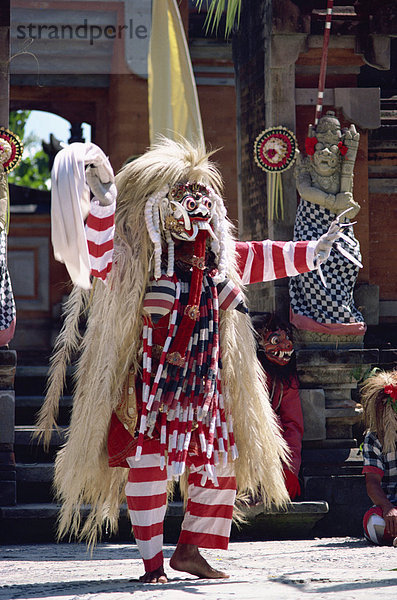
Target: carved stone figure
<point>325,185</point>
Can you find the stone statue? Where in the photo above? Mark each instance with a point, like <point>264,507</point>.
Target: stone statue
<point>325,185</point>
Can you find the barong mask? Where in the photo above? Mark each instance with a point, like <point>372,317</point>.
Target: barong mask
<point>189,210</point>
<point>180,212</point>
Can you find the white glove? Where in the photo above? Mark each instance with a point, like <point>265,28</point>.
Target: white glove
<point>328,240</point>
<point>105,192</point>
<point>325,242</point>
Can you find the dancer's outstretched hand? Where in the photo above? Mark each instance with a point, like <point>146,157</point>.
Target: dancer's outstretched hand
<point>105,192</point>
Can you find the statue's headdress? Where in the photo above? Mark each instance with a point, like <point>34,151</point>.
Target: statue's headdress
<point>379,399</point>
<point>327,134</point>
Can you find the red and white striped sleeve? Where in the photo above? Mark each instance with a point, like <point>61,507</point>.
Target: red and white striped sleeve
<point>99,230</point>
<point>268,260</point>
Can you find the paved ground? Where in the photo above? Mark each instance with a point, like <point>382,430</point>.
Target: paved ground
<point>326,569</point>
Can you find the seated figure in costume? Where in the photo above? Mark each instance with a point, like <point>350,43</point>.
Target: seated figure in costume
<point>168,384</point>
<point>277,357</point>
<point>379,399</point>
<point>322,302</point>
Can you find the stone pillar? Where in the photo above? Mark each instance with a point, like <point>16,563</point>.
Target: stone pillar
<point>4,62</point>
<point>269,39</point>
<point>281,110</point>
<point>251,65</point>
<point>265,89</point>
<point>8,360</point>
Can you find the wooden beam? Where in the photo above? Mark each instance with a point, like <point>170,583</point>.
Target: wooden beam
<point>4,62</point>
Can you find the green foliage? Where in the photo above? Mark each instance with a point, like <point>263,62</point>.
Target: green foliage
<point>361,373</point>
<point>18,120</point>
<point>216,10</point>
<point>33,170</point>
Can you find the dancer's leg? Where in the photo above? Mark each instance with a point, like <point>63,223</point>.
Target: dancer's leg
<point>207,521</point>
<point>146,493</point>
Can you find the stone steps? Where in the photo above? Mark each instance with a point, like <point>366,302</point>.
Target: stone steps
<point>31,380</point>
<point>36,522</point>
<point>34,517</point>
<point>34,482</point>
<point>27,407</point>
<point>29,450</point>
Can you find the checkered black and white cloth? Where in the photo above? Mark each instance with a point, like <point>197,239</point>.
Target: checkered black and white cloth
<point>308,296</point>
<point>374,457</point>
<point>7,304</point>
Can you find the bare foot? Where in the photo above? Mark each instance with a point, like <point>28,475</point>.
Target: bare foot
<point>187,558</point>
<point>157,576</point>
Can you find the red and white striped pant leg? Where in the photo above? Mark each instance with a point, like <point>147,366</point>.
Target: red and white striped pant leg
<point>209,510</point>
<point>375,527</point>
<point>146,493</point>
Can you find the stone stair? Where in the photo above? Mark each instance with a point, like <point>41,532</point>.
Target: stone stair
<point>33,518</point>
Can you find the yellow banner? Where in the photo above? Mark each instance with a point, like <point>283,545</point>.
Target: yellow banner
<point>173,103</point>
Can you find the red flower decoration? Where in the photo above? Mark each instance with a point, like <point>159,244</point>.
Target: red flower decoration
<point>342,148</point>
<point>310,145</point>
<point>391,390</point>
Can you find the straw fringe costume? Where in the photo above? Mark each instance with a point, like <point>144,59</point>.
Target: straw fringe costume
<point>200,408</point>
<point>379,399</point>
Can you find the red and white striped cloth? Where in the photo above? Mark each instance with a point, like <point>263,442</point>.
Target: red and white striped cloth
<point>257,261</point>
<point>99,230</point>
<point>146,493</point>
<point>324,59</point>
<point>71,206</point>
<point>268,260</point>
<point>209,510</point>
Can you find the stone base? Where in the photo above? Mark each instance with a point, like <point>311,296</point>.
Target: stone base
<point>324,341</point>
<point>296,522</point>
<point>313,409</point>
<point>334,476</point>
<point>8,488</point>
<point>36,523</point>
<point>335,371</point>
<point>329,444</point>
<point>348,501</point>
<point>340,421</point>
